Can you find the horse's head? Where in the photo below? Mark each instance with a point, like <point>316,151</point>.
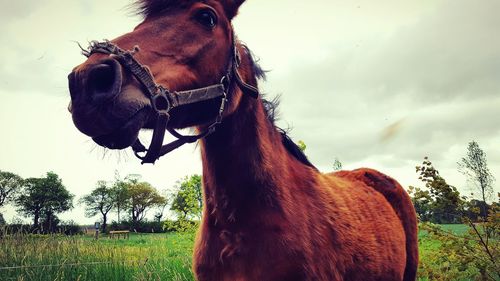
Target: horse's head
<point>185,44</point>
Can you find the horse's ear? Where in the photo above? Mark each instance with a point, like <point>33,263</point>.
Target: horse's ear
<point>231,7</point>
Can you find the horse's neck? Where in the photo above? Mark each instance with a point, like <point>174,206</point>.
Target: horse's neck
<point>244,164</point>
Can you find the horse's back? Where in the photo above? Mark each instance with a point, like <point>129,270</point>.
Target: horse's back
<point>402,205</point>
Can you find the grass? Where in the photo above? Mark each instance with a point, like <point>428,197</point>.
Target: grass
<point>142,257</point>
<point>455,228</point>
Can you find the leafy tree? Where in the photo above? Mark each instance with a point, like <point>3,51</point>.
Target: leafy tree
<point>10,184</point>
<point>44,198</point>
<point>2,220</point>
<point>446,204</point>
<point>475,167</point>
<point>302,145</point>
<point>188,200</point>
<point>161,207</point>
<point>99,201</point>
<point>423,202</point>
<point>119,193</point>
<point>477,210</point>
<point>141,197</point>
<point>337,165</point>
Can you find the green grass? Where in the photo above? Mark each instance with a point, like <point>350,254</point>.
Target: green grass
<point>142,257</point>
<point>455,228</point>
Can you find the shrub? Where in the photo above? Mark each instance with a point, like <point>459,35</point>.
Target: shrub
<point>470,256</point>
<point>142,227</point>
<point>180,225</point>
<point>70,228</point>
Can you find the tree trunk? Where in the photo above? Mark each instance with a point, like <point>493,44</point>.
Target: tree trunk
<point>48,217</point>
<point>485,210</point>
<point>36,220</point>
<point>118,211</point>
<point>134,219</point>
<point>104,222</point>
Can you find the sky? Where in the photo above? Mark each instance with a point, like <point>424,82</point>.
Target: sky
<point>378,84</point>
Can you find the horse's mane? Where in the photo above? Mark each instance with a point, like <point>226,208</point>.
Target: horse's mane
<point>155,7</point>
<point>271,108</point>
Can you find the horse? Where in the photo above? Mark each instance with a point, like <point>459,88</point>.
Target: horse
<point>268,213</point>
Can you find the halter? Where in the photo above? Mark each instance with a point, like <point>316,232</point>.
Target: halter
<point>163,100</point>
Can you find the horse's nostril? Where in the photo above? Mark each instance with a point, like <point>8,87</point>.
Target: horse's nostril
<point>101,78</point>
<point>104,81</point>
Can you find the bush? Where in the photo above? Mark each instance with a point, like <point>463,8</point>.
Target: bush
<point>70,228</point>
<point>142,227</point>
<point>18,228</point>
<point>472,255</point>
<point>67,228</point>
<point>180,225</point>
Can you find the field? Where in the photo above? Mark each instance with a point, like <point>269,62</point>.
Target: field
<point>142,257</point>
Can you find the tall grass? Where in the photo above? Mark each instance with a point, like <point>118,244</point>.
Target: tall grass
<point>142,257</point>
<point>150,257</point>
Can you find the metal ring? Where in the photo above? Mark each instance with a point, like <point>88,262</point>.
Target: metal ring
<point>224,81</point>
<point>160,101</point>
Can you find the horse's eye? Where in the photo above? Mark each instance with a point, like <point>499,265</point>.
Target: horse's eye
<point>207,17</point>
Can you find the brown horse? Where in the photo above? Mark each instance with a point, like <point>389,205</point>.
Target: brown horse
<point>268,213</point>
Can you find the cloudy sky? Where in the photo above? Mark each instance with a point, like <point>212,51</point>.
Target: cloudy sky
<point>377,84</point>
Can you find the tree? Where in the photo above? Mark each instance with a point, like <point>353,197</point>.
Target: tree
<point>302,145</point>
<point>10,184</point>
<point>188,200</point>
<point>119,193</point>
<point>475,167</point>
<point>423,203</point>
<point>446,204</point>
<point>477,209</point>
<point>337,165</point>
<point>44,198</point>
<point>99,201</point>
<point>161,207</point>
<point>142,196</point>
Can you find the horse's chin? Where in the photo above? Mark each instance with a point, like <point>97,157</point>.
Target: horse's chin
<point>126,135</point>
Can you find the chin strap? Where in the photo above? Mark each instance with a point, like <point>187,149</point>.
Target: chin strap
<point>162,100</point>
